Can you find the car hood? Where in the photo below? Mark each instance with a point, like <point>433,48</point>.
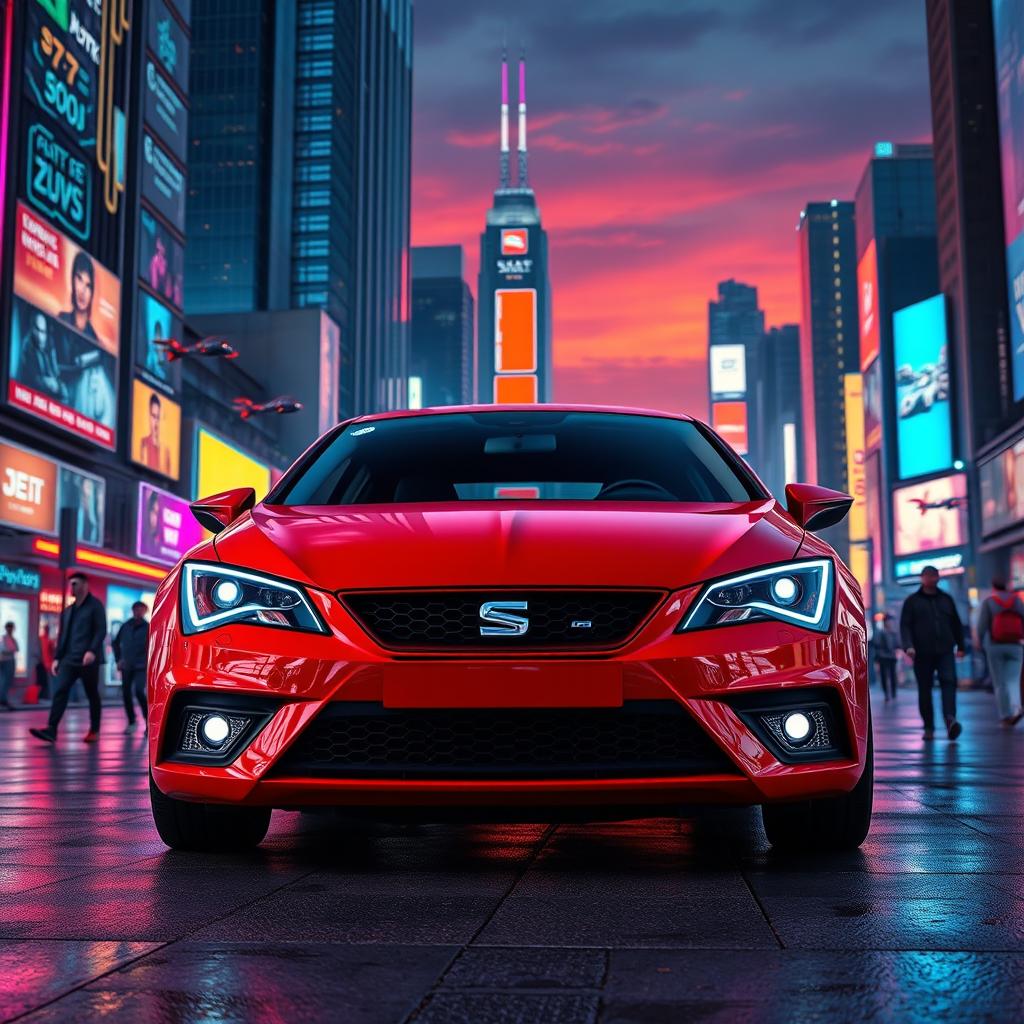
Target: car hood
<point>483,544</point>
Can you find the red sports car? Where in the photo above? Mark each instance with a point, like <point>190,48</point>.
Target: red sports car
<point>521,613</point>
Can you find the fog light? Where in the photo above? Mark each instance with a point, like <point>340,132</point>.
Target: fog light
<point>226,594</point>
<point>785,590</point>
<point>797,727</point>
<point>214,730</point>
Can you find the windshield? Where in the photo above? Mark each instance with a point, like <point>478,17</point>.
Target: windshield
<point>543,456</point>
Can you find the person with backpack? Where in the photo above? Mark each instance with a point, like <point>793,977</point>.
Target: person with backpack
<point>1001,631</point>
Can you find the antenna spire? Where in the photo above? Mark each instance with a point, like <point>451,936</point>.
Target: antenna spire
<point>504,175</point>
<point>523,178</point>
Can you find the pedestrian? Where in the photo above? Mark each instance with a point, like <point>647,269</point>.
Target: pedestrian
<point>83,628</point>
<point>1001,631</point>
<point>930,631</point>
<point>887,644</point>
<point>8,656</point>
<point>47,656</point>
<point>130,648</point>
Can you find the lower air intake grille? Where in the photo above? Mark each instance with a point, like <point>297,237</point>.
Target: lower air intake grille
<point>641,739</point>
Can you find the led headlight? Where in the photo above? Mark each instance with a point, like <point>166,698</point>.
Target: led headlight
<point>215,595</point>
<point>799,593</point>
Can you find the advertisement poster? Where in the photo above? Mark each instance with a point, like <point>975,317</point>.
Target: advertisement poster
<point>728,371</point>
<point>330,356</point>
<point>62,61</point>
<point>924,430</point>
<point>872,407</point>
<point>166,527</point>
<point>168,43</point>
<point>165,112</point>
<point>64,332</point>
<point>28,490</point>
<point>729,420</point>
<point>15,609</point>
<point>930,516</point>
<point>87,493</point>
<point>119,601</point>
<point>163,182</point>
<point>162,260</point>
<point>58,181</point>
<point>1002,489</point>
<point>220,466</point>
<point>867,294</point>
<point>856,476</point>
<point>156,324</point>
<point>156,431</point>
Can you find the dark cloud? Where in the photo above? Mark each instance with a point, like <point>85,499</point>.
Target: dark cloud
<point>805,22</point>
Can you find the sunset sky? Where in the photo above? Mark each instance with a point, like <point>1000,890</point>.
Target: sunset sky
<point>673,144</point>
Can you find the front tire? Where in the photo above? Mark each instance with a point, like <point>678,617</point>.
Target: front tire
<point>831,823</point>
<point>209,828</point>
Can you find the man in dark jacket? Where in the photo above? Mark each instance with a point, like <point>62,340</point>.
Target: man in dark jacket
<point>79,654</point>
<point>130,649</point>
<point>931,630</point>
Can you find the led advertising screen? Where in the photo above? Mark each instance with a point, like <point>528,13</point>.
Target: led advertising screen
<point>15,609</point>
<point>728,371</point>
<point>930,516</point>
<point>118,605</point>
<point>161,260</point>
<point>87,493</point>
<point>220,466</point>
<point>330,358</point>
<point>924,431</point>
<point>166,527</point>
<point>28,490</point>
<point>1002,489</point>
<point>168,43</point>
<point>58,181</point>
<point>165,112</point>
<point>64,332</point>
<point>155,324</point>
<point>1008,23</point>
<point>729,420</point>
<point>515,390</point>
<point>163,182</point>
<point>515,330</point>
<point>856,477</point>
<point>156,431</point>
<point>867,296</point>
<point>872,377</point>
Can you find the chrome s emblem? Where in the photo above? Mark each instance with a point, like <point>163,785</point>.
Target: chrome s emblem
<point>505,622</point>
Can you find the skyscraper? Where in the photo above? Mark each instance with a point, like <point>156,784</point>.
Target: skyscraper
<point>514,292</point>
<point>301,160</point>
<point>778,426</point>
<point>828,335</point>
<point>441,342</point>
<point>735,335</point>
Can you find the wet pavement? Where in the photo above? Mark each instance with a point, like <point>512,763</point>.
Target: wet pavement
<point>651,921</point>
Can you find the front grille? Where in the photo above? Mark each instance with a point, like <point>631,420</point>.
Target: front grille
<point>657,738</point>
<point>424,620</point>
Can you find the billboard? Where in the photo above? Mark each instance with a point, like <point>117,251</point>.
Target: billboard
<point>166,528</point>
<point>87,493</point>
<point>163,182</point>
<point>1008,25</point>
<point>515,241</point>
<point>58,182</point>
<point>156,431</point>
<point>15,609</point>
<point>515,390</point>
<point>28,490</point>
<point>165,112</point>
<point>872,378</point>
<point>219,465</point>
<point>1001,482</point>
<point>161,260</point>
<point>729,420</point>
<point>155,324</point>
<point>728,364</point>
<point>924,430</point>
<point>330,360</point>
<point>856,476</point>
<point>64,332</point>
<point>168,43</point>
<point>930,516</point>
<point>867,306</point>
<point>515,330</point>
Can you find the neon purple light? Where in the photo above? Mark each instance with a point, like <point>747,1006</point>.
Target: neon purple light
<point>5,85</point>
<point>504,83</point>
<point>522,81</point>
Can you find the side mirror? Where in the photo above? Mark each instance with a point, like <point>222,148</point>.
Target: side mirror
<point>220,510</point>
<point>816,508</point>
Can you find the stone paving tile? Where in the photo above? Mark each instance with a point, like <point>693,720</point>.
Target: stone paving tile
<point>508,968</point>
<point>508,1008</point>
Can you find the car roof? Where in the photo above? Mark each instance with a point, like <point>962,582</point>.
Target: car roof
<point>546,407</point>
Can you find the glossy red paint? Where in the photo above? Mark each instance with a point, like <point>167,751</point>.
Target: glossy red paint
<point>503,545</point>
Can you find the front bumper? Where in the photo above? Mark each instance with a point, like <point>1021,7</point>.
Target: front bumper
<point>709,674</point>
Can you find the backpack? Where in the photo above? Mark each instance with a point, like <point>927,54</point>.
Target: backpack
<point>1007,625</point>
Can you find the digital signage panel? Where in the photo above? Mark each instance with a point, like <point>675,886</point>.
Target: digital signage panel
<point>58,182</point>
<point>867,303</point>
<point>219,466</point>
<point>856,477</point>
<point>161,260</point>
<point>728,371</point>
<point>515,330</point>
<point>87,493</point>
<point>165,112</point>
<point>1002,489</point>
<point>515,389</point>
<point>15,609</point>
<point>924,431</point>
<point>168,43</point>
<point>729,420</point>
<point>873,406</point>
<point>28,489</point>
<point>930,516</point>
<point>156,324</point>
<point>1008,25</point>
<point>163,182</point>
<point>64,332</point>
<point>166,527</point>
<point>156,431</point>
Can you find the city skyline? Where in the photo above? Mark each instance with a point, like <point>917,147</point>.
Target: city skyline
<point>645,166</point>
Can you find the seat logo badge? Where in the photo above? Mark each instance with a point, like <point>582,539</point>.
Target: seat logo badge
<point>505,621</point>
<point>582,624</point>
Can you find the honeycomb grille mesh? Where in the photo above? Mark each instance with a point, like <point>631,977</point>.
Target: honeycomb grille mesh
<point>640,739</point>
<point>557,619</point>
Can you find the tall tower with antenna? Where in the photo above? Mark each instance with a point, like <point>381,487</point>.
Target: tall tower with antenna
<point>514,292</point>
